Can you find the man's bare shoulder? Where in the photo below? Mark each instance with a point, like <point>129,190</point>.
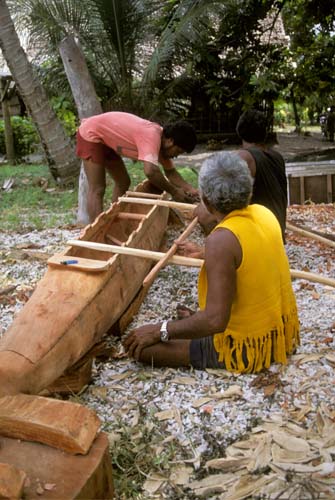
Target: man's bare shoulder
<point>223,243</point>
<point>249,159</point>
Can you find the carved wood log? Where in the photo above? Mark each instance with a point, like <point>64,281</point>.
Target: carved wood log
<point>75,304</point>
<point>68,426</point>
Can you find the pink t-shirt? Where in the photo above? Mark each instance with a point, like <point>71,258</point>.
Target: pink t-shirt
<point>127,134</point>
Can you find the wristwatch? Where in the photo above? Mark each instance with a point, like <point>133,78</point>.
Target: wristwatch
<point>164,333</point>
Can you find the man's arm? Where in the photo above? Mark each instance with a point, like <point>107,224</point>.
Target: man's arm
<point>223,255</point>
<point>156,178</point>
<point>177,180</point>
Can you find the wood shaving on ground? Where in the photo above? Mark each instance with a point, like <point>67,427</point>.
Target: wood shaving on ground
<point>186,434</point>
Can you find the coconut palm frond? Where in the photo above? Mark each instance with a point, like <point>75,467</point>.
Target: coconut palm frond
<point>190,23</point>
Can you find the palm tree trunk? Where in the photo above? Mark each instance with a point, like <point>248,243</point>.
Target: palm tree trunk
<point>87,103</point>
<point>57,146</point>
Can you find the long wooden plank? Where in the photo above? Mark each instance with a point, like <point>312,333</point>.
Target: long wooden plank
<point>163,261</point>
<point>61,424</point>
<point>184,261</point>
<point>304,275</point>
<point>136,252</point>
<point>138,194</point>
<point>160,203</point>
<point>309,234</point>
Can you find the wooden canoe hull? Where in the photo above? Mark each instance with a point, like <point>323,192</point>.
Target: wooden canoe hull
<point>70,309</point>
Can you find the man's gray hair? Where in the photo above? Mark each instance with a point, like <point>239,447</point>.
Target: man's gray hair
<point>225,181</point>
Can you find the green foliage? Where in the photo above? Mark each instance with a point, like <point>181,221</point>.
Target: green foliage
<point>26,138</point>
<point>174,58</point>
<point>65,114</point>
<point>311,25</point>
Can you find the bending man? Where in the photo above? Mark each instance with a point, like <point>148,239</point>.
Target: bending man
<point>248,316</point>
<point>103,139</point>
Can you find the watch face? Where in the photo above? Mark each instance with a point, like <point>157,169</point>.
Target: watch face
<point>164,336</point>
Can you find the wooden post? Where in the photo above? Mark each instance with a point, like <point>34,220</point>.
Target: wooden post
<point>302,190</point>
<point>329,189</point>
<point>9,138</point>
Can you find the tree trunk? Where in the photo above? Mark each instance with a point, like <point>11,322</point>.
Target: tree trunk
<point>86,100</point>
<point>63,164</point>
<point>9,139</point>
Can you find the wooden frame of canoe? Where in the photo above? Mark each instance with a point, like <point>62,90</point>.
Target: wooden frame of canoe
<point>75,304</point>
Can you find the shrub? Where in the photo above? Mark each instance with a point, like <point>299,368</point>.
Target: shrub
<point>65,114</point>
<point>26,138</point>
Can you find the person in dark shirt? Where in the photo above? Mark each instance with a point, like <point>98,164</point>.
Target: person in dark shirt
<point>266,166</point>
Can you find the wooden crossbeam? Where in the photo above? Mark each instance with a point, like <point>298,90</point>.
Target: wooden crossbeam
<point>138,194</point>
<point>167,256</point>
<point>131,216</point>
<point>183,261</point>
<point>161,203</point>
<point>136,252</point>
<point>309,234</point>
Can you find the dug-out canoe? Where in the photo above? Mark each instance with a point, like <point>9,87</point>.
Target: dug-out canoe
<point>82,294</point>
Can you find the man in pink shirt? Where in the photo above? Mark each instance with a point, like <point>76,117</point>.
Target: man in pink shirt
<point>103,139</point>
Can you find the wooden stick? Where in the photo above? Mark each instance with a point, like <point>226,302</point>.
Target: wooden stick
<point>136,252</point>
<point>163,261</point>
<point>312,277</point>
<point>138,194</point>
<point>131,216</point>
<point>161,203</point>
<point>113,240</point>
<point>309,234</point>
<point>181,261</point>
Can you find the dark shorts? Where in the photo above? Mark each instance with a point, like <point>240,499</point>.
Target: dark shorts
<point>96,151</point>
<point>204,355</point>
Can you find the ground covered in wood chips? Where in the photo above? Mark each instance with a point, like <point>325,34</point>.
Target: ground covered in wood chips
<point>187,434</point>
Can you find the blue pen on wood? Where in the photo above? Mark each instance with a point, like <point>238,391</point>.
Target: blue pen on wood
<point>66,262</point>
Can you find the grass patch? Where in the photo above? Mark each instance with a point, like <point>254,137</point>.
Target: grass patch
<point>36,202</point>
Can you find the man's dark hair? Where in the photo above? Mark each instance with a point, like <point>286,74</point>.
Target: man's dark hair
<point>183,135</point>
<point>252,126</point>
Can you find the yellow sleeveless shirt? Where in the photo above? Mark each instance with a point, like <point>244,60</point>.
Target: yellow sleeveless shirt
<point>263,325</point>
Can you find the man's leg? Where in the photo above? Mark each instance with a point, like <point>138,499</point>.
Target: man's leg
<point>96,177</point>
<point>117,170</point>
<point>175,353</point>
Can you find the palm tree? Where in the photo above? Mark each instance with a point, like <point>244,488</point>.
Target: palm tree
<point>109,32</point>
<point>62,162</point>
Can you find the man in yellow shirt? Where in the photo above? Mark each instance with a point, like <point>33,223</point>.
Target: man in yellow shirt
<point>248,316</point>
<point>103,139</point>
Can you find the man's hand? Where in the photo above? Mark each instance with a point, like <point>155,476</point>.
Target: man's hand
<point>141,337</point>
<point>192,195</point>
<point>206,219</point>
<point>183,196</point>
<point>190,249</point>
